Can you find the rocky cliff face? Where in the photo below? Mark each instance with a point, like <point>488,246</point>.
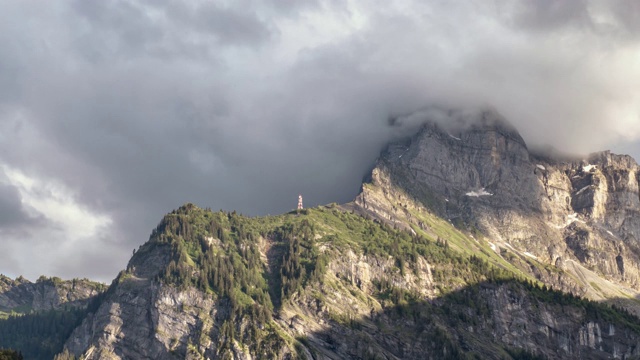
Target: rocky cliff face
<point>21,295</point>
<point>579,215</point>
<point>489,321</point>
<point>147,316</point>
<point>141,319</point>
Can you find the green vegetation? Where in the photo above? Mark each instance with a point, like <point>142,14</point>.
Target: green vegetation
<point>65,355</point>
<point>39,335</point>
<point>257,266</point>
<point>54,280</point>
<point>521,354</point>
<point>452,317</point>
<point>594,310</point>
<point>218,253</point>
<point>7,354</point>
<point>301,262</point>
<point>451,268</point>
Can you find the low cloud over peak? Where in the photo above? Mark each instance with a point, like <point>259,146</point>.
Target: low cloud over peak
<point>135,107</point>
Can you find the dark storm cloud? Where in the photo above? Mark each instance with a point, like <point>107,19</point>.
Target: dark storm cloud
<point>616,20</point>
<point>13,215</point>
<point>115,112</point>
<point>229,26</point>
<point>627,14</point>
<point>549,15</point>
<point>119,30</point>
<point>17,222</point>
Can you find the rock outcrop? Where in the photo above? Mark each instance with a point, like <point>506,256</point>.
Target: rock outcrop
<point>481,176</point>
<point>141,319</point>
<point>21,295</point>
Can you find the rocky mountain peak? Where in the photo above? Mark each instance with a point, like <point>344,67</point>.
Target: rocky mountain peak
<point>466,155</point>
<point>471,122</point>
<point>607,159</point>
<point>477,172</point>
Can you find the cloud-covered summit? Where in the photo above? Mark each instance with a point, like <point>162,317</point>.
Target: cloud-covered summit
<point>112,113</point>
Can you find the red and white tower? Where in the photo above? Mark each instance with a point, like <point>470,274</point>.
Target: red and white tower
<point>300,202</point>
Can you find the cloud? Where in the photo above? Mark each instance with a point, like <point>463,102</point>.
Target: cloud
<point>14,216</point>
<point>549,16</point>
<point>42,222</point>
<point>116,30</point>
<point>119,111</point>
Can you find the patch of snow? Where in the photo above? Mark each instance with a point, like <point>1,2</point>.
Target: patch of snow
<point>509,246</point>
<point>588,168</point>
<point>571,218</point>
<point>582,190</point>
<point>493,246</point>
<point>403,153</point>
<point>447,200</point>
<point>530,255</point>
<point>455,138</point>
<point>610,233</point>
<point>541,167</point>
<point>575,176</point>
<point>481,192</point>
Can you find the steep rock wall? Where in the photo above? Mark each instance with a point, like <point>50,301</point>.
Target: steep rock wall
<point>482,176</point>
<point>21,295</point>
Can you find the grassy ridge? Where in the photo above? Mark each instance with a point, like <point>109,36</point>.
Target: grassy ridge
<point>256,267</point>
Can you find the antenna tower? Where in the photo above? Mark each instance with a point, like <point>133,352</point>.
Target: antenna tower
<point>300,202</point>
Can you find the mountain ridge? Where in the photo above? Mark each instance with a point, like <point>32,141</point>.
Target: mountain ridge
<point>21,295</point>
<point>315,317</point>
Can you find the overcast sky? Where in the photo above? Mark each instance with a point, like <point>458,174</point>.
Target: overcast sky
<point>113,113</point>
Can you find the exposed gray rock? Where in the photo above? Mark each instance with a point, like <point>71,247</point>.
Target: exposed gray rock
<point>21,295</point>
<point>482,176</point>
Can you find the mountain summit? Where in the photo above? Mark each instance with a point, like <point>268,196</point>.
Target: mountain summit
<point>579,215</point>
<point>462,244</point>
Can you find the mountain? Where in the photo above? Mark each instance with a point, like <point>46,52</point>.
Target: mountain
<point>461,244</point>
<point>21,296</point>
<point>37,318</point>
<point>577,217</point>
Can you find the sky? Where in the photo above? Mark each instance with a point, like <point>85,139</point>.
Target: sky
<point>113,113</point>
